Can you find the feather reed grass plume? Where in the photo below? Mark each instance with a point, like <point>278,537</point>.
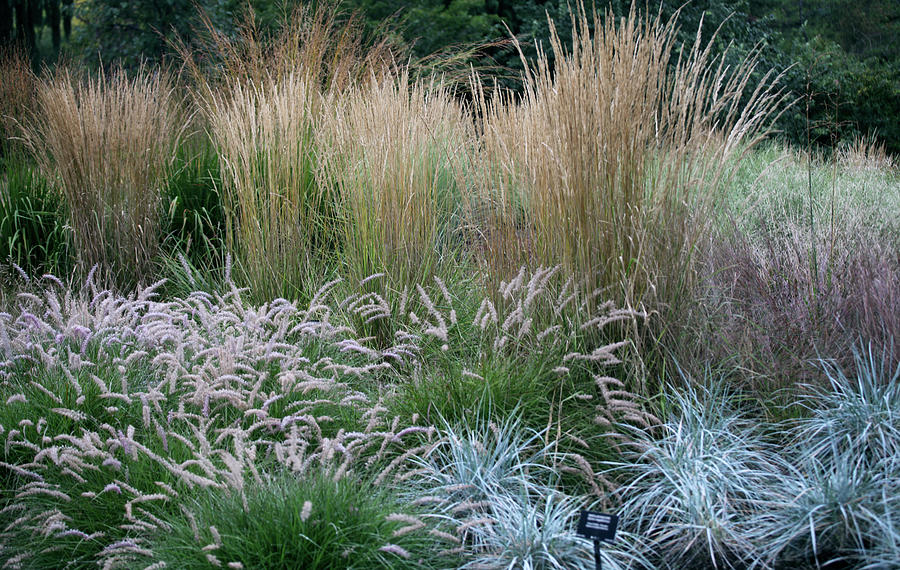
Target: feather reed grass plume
<point>109,143</point>
<point>276,212</point>
<point>864,153</point>
<point>265,115</point>
<point>16,94</point>
<point>398,149</point>
<point>321,41</point>
<point>610,162</point>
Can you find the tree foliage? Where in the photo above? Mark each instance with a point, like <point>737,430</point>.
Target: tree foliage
<point>133,32</point>
<point>23,21</point>
<point>841,58</point>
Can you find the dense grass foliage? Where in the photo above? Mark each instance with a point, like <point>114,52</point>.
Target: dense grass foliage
<point>804,265</point>
<point>141,431</point>
<point>31,231</point>
<point>117,409</point>
<point>276,212</point>
<point>108,144</point>
<point>318,306</point>
<point>313,522</point>
<point>617,152</point>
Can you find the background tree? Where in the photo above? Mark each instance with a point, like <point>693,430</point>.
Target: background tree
<point>6,23</point>
<point>22,22</point>
<point>132,32</point>
<point>847,67</point>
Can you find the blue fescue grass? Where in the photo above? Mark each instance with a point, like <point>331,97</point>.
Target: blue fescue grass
<point>714,487</point>
<point>847,467</point>
<point>858,413</point>
<point>694,487</point>
<point>498,488</point>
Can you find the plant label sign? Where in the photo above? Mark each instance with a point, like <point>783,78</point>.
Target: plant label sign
<point>597,526</point>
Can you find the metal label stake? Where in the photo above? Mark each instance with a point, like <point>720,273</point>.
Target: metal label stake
<point>597,527</point>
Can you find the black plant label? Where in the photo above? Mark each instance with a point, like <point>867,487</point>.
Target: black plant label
<point>597,526</point>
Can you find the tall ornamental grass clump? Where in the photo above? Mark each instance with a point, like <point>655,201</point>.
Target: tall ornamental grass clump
<point>108,144</point>
<point>320,40</point>
<point>399,148</point>
<point>866,153</point>
<point>276,213</point>
<point>266,100</point>
<point>17,92</point>
<point>611,161</point>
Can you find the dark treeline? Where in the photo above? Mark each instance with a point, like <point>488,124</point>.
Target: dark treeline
<point>21,21</point>
<point>842,57</point>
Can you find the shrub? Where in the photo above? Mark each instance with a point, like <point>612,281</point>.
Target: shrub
<point>136,33</point>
